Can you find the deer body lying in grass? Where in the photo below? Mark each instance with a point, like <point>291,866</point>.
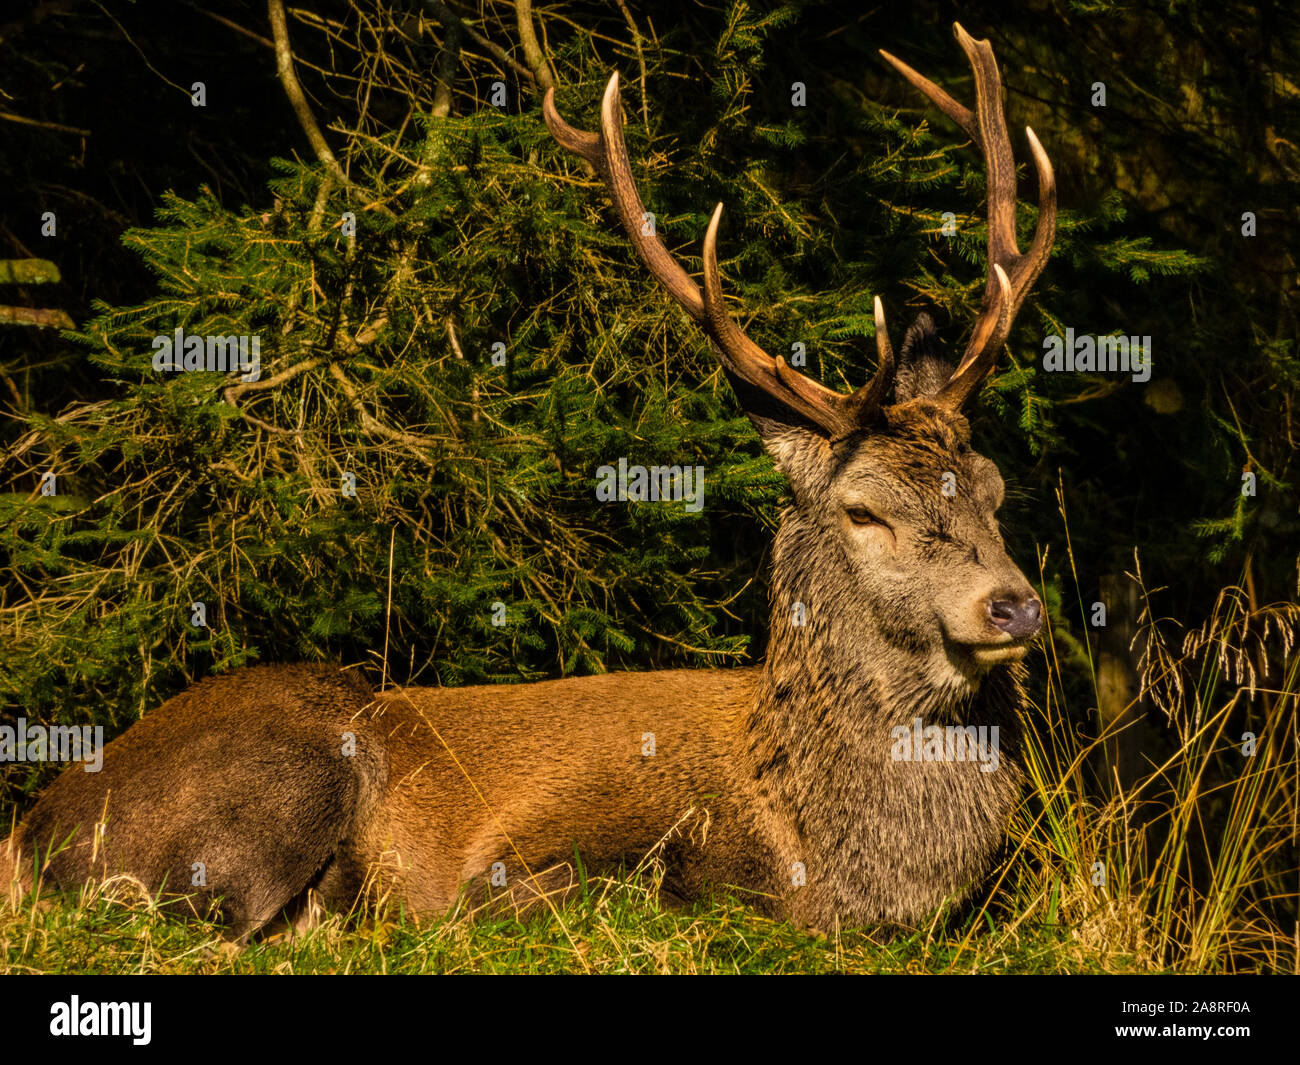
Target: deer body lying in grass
<point>893,599</point>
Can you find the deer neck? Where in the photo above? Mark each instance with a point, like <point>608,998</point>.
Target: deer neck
<point>837,685</point>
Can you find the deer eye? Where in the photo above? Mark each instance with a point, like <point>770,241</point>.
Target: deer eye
<point>862,516</point>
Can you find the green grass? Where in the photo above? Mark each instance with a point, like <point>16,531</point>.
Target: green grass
<point>617,929</point>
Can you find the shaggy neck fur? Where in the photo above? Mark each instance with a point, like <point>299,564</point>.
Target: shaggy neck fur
<point>883,840</point>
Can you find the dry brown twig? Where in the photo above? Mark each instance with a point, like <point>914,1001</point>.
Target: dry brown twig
<point>293,90</point>
<point>537,61</point>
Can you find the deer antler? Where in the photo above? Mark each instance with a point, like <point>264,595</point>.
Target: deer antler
<point>1011,274</point>
<point>838,414</point>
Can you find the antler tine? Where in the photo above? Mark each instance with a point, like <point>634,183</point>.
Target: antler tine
<point>1040,248</point>
<point>1005,291</point>
<point>991,332</point>
<point>607,152</point>
<point>963,116</point>
<point>839,415</point>
<point>865,404</point>
<point>824,406</point>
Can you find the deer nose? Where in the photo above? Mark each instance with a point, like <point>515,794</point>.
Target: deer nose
<point>1018,618</point>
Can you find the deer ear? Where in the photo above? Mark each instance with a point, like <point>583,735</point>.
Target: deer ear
<point>922,371</point>
<point>785,432</point>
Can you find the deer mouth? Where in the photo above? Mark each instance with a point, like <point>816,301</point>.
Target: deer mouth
<point>974,659</point>
<point>995,654</point>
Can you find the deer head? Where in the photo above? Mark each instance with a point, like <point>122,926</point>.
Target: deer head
<point>894,514</point>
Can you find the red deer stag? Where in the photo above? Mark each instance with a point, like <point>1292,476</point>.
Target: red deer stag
<point>893,602</point>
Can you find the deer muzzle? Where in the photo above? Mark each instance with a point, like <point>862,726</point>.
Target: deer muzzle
<point>1019,618</point>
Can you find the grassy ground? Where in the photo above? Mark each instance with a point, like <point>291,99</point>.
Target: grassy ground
<point>619,931</point>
